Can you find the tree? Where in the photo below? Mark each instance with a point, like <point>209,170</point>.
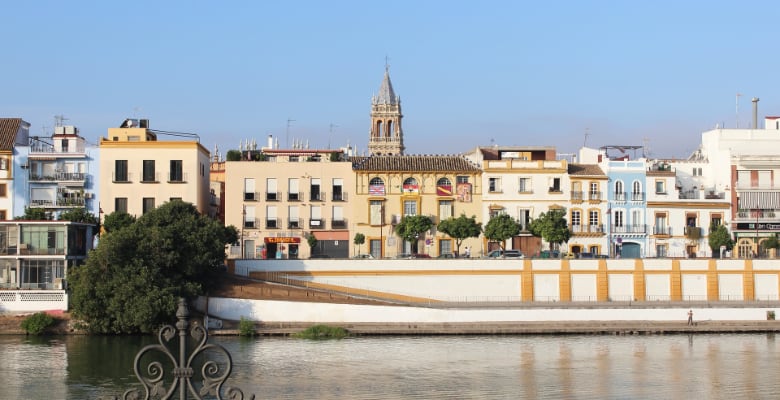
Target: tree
<point>312,241</point>
<point>117,220</point>
<point>79,215</point>
<point>719,236</point>
<point>233,155</point>
<point>131,282</point>
<point>551,226</point>
<point>770,243</point>
<point>34,214</point>
<point>411,227</point>
<point>359,240</point>
<point>500,228</point>
<point>460,228</point>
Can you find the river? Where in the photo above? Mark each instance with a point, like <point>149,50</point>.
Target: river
<point>429,367</point>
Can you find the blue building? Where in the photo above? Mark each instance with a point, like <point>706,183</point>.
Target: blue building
<point>627,206</point>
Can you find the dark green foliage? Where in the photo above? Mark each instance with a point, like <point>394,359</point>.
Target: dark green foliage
<point>233,155</point>
<point>770,243</point>
<point>412,227</point>
<point>34,214</point>
<point>132,281</point>
<point>551,226</point>
<point>79,215</point>
<point>246,327</point>
<point>322,332</point>
<point>312,241</point>
<point>719,236</point>
<point>500,228</point>
<point>37,323</point>
<point>359,240</point>
<point>460,228</point>
<point>117,220</point>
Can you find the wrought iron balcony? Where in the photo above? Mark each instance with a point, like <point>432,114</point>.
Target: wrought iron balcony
<point>599,228</point>
<point>619,196</point>
<point>339,196</point>
<point>273,196</point>
<point>316,196</point>
<point>298,196</point>
<point>629,229</point>
<point>338,224</point>
<point>662,230</point>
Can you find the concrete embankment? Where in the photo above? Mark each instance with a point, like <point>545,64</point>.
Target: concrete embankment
<point>524,328</point>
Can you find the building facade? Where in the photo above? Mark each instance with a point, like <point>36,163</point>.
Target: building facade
<point>386,135</point>
<point>14,134</point>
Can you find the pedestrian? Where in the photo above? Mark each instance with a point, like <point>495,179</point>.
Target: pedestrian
<point>468,252</point>
<point>690,317</point>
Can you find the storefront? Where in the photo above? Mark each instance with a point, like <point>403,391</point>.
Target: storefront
<point>280,247</point>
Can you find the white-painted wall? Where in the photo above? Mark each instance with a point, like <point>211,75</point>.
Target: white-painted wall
<point>30,301</point>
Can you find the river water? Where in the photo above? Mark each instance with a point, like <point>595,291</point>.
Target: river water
<point>430,367</point>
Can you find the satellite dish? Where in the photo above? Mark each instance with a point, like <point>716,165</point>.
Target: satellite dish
<point>129,123</point>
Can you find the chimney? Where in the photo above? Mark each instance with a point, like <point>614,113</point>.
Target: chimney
<point>270,141</point>
<point>755,112</point>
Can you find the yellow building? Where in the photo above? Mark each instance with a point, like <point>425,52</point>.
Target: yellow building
<point>140,172</point>
<point>387,188</point>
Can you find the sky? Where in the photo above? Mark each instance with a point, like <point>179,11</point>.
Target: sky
<point>509,73</point>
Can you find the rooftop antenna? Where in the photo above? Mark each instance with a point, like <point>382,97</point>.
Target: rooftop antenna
<point>289,122</point>
<point>584,142</point>
<point>330,135</point>
<point>59,119</point>
<point>737,106</point>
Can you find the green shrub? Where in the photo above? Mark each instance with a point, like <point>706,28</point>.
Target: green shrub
<point>246,327</point>
<point>37,323</point>
<point>770,315</point>
<point>322,332</point>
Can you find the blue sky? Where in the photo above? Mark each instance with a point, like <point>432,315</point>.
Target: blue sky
<point>468,73</point>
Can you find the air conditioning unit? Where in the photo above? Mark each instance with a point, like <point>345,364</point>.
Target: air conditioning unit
<point>395,219</point>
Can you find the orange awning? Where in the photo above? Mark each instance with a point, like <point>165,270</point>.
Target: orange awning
<point>331,235</point>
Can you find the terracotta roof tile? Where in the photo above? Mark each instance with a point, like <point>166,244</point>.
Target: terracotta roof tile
<point>8,129</point>
<point>413,163</point>
<point>585,170</point>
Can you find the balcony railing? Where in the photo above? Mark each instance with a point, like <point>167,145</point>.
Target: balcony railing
<point>121,178</point>
<point>576,195</point>
<point>295,196</point>
<point>594,196</point>
<point>177,177</point>
<point>317,196</point>
<point>272,223</point>
<point>339,196</point>
<point>59,202</point>
<point>638,196</point>
<point>273,196</point>
<point>150,178</point>
<point>693,232</point>
<point>756,214</point>
<point>587,228</point>
<point>629,229</point>
<point>251,224</point>
<point>662,230</point>
<point>620,196</point>
<point>338,224</point>
<point>293,224</point>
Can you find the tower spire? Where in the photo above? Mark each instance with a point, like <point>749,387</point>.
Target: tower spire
<point>386,136</point>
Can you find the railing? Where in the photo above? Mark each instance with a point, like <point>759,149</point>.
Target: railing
<point>150,178</point>
<point>60,202</point>
<point>251,196</point>
<point>689,195</point>
<point>317,196</point>
<point>59,176</point>
<point>251,224</point>
<point>638,196</point>
<point>586,228</point>
<point>272,223</point>
<point>177,177</point>
<point>576,195</point>
<point>185,378</point>
<point>662,230</point>
<point>121,178</point>
<point>620,196</point>
<point>339,196</point>
<point>629,229</point>
<point>295,196</point>
<point>338,224</point>
<point>693,232</point>
<point>594,195</point>
<point>293,224</point>
<point>273,196</point>
<point>755,214</point>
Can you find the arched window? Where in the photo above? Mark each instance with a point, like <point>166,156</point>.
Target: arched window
<point>636,191</point>
<point>376,182</point>
<point>410,186</point>
<point>620,195</point>
<point>376,187</point>
<point>443,182</point>
<point>410,181</point>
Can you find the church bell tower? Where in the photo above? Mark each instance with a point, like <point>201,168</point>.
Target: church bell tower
<point>386,137</point>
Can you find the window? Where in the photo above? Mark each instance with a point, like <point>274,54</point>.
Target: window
<point>3,215</point>
<point>249,189</point>
<point>576,191</point>
<point>594,249</point>
<point>338,218</point>
<point>593,218</point>
<point>620,195</point>
<point>523,218</point>
<point>314,190</point>
<point>443,182</point>
<point>411,186</point>
<point>120,204</point>
<point>445,209</point>
<point>292,215</point>
<point>595,194</point>
<point>410,207</point>
<point>148,172</point>
<point>3,190</point>
<point>148,204</point>
<point>376,212</point>
<point>249,217</point>
<point>660,187</point>
<point>618,218</point>
<point>338,189</point>
<point>270,219</point>
<point>176,171</point>
<point>315,219</point>
<point>376,187</point>
<point>690,219</point>
<point>555,185</point>
<point>494,185</point>
<point>697,172</point>
<point>660,250</point>
<point>120,171</point>
<point>715,220</point>
<point>271,193</point>
<point>636,218</point>
<point>3,163</point>
<point>293,193</point>
<point>661,227</point>
<point>636,191</point>
<point>524,185</point>
<point>576,218</point>
<point>462,179</point>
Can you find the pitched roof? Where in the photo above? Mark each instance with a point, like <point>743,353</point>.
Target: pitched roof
<point>413,163</point>
<point>386,94</point>
<point>585,170</point>
<point>8,129</point>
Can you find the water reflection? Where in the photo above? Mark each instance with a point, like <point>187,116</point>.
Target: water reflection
<point>458,367</point>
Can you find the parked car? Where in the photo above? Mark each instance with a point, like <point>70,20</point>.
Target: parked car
<point>586,255</point>
<point>421,255</point>
<point>364,256</point>
<point>505,254</point>
<point>403,256</point>
<point>549,254</point>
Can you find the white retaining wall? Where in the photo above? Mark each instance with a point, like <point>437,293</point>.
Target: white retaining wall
<point>29,301</point>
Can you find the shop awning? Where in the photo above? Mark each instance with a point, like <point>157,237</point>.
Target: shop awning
<point>331,235</point>
<point>759,201</point>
